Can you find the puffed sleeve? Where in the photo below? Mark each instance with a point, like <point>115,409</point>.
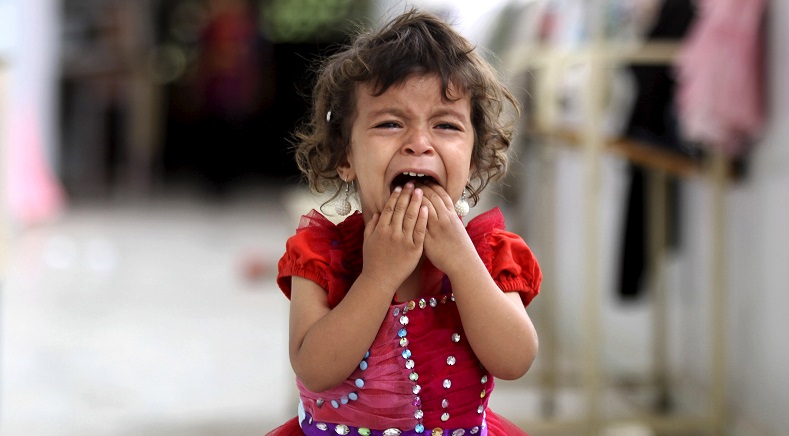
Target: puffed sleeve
<point>302,259</point>
<point>513,265</point>
<point>327,254</point>
<point>509,260</point>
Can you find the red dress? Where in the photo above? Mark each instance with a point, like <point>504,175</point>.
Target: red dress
<point>420,375</point>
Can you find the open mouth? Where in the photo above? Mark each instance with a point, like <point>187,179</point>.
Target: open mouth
<point>410,176</point>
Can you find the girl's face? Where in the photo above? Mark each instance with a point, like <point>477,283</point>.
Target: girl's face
<point>410,129</point>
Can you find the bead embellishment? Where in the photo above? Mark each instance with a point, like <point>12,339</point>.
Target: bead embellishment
<point>314,427</point>
<point>400,321</point>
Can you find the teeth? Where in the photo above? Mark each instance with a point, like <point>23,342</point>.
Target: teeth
<point>413,174</point>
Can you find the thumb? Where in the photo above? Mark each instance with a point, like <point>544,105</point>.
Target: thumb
<point>370,227</point>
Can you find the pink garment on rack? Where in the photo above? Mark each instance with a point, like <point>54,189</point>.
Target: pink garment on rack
<point>719,76</point>
<point>34,193</point>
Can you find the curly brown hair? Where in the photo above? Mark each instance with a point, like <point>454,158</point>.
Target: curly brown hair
<point>414,43</point>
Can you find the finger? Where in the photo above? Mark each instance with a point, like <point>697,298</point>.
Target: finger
<point>370,227</point>
<point>443,196</point>
<point>389,207</point>
<point>431,209</point>
<point>438,207</point>
<point>401,205</point>
<point>412,211</point>
<point>420,227</point>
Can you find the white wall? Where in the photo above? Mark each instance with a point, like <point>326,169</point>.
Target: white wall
<point>757,250</point>
<point>29,44</point>
<point>759,253</point>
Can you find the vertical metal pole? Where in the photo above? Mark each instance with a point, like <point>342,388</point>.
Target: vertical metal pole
<point>546,218</point>
<point>593,146</point>
<point>657,197</point>
<point>718,293</point>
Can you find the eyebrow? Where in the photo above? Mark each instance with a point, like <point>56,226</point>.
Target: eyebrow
<point>402,113</point>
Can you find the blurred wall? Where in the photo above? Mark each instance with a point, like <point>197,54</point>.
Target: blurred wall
<point>758,250</point>
<point>29,46</point>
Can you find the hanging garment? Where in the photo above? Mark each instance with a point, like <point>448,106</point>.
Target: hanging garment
<point>653,121</point>
<point>719,95</point>
<point>34,192</point>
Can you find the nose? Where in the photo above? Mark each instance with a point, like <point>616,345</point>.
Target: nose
<point>417,144</point>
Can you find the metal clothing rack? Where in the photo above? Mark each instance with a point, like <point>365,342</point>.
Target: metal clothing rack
<point>543,64</point>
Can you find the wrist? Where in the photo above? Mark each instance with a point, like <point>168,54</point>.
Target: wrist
<point>383,283</point>
<point>465,265</point>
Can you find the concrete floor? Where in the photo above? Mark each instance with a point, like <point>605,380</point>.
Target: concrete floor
<point>137,318</point>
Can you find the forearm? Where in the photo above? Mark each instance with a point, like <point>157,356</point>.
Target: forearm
<point>496,324</point>
<point>334,345</point>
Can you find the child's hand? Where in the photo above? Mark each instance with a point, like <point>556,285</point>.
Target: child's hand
<point>393,239</point>
<point>447,244</point>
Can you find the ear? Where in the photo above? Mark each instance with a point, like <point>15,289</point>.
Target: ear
<point>346,171</point>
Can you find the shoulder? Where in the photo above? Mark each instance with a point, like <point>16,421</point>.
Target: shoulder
<point>324,252</point>
<point>509,259</point>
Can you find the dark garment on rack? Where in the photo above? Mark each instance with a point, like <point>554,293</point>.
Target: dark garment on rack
<point>653,121</point>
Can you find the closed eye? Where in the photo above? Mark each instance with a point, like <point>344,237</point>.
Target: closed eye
<point>449,126</point>
<point>387,125</point>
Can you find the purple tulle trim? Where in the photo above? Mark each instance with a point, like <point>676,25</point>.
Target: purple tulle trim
<point>314,428</point>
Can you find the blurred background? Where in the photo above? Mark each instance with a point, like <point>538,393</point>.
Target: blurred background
<point>147,189</point>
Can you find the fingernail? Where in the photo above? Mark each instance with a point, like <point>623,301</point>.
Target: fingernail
<point>398,189</point>
<point>417,191</point>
